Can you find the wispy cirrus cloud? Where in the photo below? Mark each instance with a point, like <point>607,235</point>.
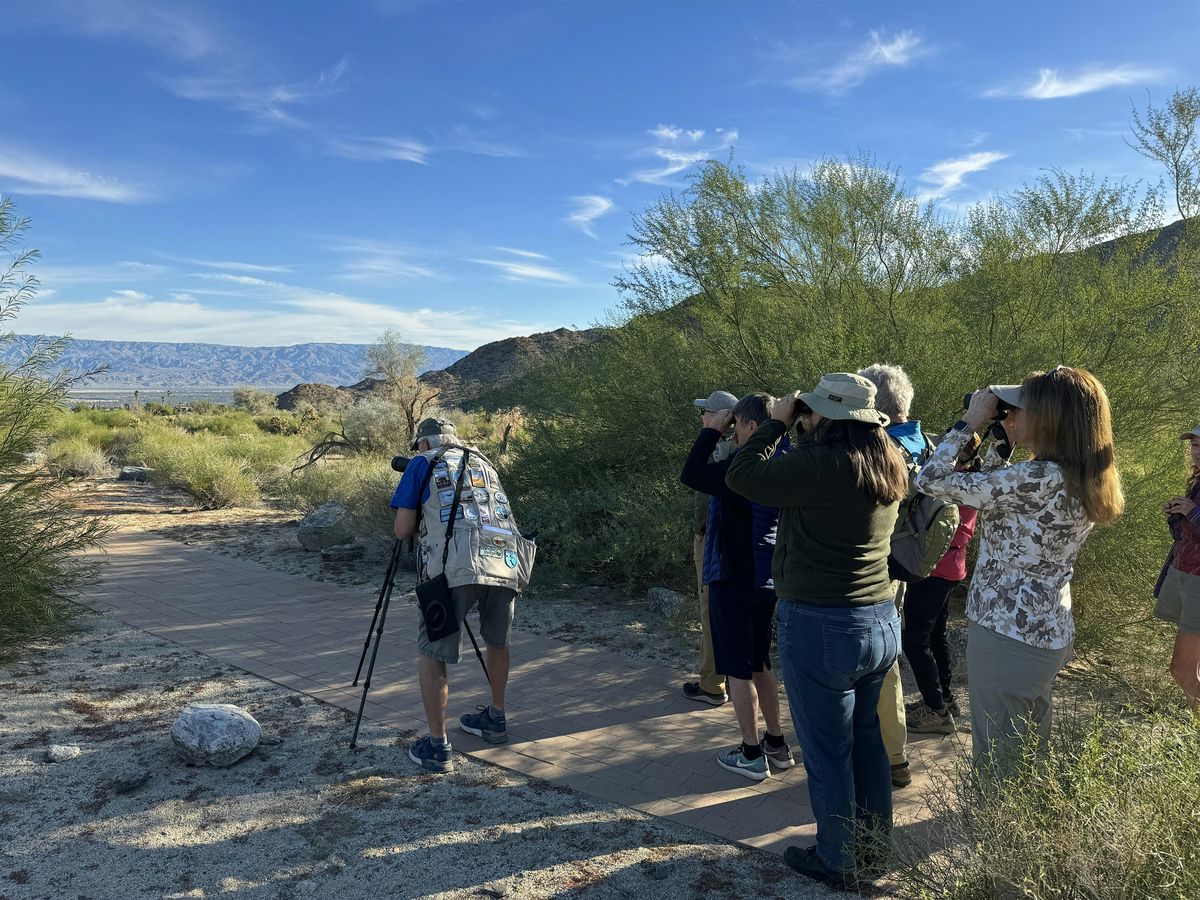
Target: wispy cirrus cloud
<point>380,149</point>
<point>1051,84</point>
<point>228,264</point>
<point>947,176</point>
<point>169,28</point>
<point>880,51</point>
<point>678,149</point>
<point>371,260</point>
<point>282,314</point>
<point>589,208</point>
<point>523,270</point>
<point>266,104</point>
<point>27,172</point>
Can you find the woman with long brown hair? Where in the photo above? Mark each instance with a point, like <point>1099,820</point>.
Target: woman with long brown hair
<point>838,630</point>
<point>1178,590</point>
<point>1034,517</point>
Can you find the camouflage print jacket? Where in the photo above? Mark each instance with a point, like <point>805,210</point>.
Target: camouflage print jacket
<point>1030,533</point>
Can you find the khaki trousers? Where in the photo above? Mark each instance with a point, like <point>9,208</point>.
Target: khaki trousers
<point>710,681</point>
<point>893,723</point>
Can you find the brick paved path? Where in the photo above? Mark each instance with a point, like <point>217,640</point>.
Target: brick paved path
<point>592,720</point>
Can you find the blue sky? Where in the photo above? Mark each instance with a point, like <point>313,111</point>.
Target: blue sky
<point>281,172</point>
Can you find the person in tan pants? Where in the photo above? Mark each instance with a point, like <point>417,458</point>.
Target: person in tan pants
<point>710,688</point>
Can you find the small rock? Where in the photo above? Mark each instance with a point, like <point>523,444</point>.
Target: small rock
<point>134,473</point>
<point>128,782</point>
<point>342,553</point>
<point>270,740</point>
<point>325,526</point>
<point>666,602</point>
<point>57,753</point>
<point>306,887</point>
<point>215,734</point>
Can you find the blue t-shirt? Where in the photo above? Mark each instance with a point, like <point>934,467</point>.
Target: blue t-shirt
<point>410,483</point>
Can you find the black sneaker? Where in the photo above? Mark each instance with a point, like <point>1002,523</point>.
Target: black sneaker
<point>951,705</point>
<point>693,691</point>
<point>808,862</point>
<point>901,776</point>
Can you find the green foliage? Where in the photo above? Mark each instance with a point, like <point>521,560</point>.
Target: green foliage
<point>41,533</point>
<point>765,286</point>
<point>376,425</point>
<point>78,457</point>
<point>1108,812</point>
<point>253,400</point>
<point>364,483</point>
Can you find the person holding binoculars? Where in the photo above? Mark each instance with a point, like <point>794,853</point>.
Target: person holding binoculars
<point>1034,518</point>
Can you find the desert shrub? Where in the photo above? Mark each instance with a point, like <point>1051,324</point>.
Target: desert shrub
<point>41,532</point>
<point>253,400</point>
<point>376,425</point>
<point>78,457</point>
<point>199,463</point>
<point>279,423</point>
<point>158,409</point>
<point>364,483</point>
<point>227,422</point>
<point>206,407</point>
<point>1108,812</point>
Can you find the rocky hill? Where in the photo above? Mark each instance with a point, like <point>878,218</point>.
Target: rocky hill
<point>500,363</point>
<point>151,364</point>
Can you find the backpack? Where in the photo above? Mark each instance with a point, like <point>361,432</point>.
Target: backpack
<point>924,528</point>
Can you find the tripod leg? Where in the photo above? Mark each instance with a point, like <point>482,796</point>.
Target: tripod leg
<point>385,602</point>
<point>471,634</point>
<point>388,577</point>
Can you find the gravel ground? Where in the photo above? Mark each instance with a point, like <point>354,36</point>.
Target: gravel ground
<point>302,815</point>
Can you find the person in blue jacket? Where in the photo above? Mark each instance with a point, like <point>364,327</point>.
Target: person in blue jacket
<point>739,544</point>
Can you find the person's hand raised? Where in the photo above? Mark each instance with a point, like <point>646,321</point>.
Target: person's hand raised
<point>721,420</point>
<point>784,408</point>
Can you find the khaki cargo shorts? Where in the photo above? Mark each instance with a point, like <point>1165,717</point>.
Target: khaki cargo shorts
<point>496,608</point>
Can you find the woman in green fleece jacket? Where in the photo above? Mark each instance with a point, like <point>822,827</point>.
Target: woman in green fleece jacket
<point>838,631</point>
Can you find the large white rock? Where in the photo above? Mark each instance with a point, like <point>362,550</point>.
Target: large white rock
<point>215,734</point>
<point>666,602</point>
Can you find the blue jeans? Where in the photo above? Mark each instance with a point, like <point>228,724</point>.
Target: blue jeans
<point>833,661</point>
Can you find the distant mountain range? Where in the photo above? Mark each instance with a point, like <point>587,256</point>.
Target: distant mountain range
<point>152,364</point>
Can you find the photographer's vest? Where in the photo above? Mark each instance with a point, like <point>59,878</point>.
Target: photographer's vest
<point>485,547</point>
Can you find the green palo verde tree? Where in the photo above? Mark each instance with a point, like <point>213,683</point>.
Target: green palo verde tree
<point>41,532</point>
<point>765,285</point>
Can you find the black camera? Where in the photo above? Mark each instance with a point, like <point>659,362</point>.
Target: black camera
<point>1002,408</point>
<point>400,463</point>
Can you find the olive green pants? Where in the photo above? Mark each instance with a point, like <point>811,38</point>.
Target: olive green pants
<point>710,681</point>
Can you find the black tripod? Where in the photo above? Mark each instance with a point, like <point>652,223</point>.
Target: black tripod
<point>381,610</point>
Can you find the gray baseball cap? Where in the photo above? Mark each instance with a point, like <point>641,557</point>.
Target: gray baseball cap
<point>431,427</point>
<point>1194,433</point>
<point>716,401</point>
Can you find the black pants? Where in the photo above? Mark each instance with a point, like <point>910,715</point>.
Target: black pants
<point>926,606</point>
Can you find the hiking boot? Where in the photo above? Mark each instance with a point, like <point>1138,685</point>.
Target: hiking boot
<point>427,756</point>
<point>735,761</point>
<point>901,776</point>
<point>693,691</point>
<point>485,724</point>
<point>808,862</point>
<point>951,705</point>
<point>925,720</point>
<point>779,757</point>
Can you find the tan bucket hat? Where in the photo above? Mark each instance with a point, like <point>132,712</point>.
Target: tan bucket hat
<point>842,395</point>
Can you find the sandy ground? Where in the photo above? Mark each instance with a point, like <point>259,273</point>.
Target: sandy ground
<point>303,815</point>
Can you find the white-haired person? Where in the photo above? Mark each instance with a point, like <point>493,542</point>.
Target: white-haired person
<point>1034,517</point>
<point>925,604</point>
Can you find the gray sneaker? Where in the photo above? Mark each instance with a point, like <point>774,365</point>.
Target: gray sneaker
<point>779,757</point>
<point>735,761</point>
<point>483,724</point>
<point>925,720</point>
